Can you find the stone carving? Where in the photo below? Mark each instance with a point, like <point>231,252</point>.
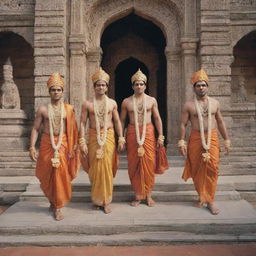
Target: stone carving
<point>241,93</point>
<point>10,98</point>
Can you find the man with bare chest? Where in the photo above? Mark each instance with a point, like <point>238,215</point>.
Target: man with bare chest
<point>203,148</point>
<point>58,159</point>
<point>100,154</point>
<point>141,141</point>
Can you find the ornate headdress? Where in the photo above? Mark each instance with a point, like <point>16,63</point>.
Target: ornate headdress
<point>55,80</point>
<point>100,75</point>
<point>199,76</point>
<point>139,76</point>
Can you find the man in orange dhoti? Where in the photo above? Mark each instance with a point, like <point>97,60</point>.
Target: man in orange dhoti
<point>203,148</point>
<point>141,141</point>
<point>58,160</point>
<point>99,157</point>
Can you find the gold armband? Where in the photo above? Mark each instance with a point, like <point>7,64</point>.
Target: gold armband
<point>182,143</point>
<point>227,143</point>
<point>81,141</point>
<point>121,140</point>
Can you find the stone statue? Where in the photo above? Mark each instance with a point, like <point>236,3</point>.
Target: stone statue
<point>241,93</point>
<point>10,98</point>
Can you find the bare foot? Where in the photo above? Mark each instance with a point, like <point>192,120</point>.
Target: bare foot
<point>107,209</point>
<point>150,202</point>
<point>58,215</point>
<point>213,209</point>
<point>95,207</point>
<point>135,203</point>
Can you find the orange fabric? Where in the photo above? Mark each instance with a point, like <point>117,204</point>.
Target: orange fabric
<point>204,175</point>
<point>161,160</point>
<point>56,182</point>
<point>141,169</point>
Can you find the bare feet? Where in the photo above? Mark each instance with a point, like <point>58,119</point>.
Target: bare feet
<point>107,209</point>
<point>58,215</point>
<point>213,209</point>
<point>150,202</point>
<point>135,203</point>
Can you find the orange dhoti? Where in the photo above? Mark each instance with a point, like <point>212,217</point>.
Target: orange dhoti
<point>56,182</point>
<point>141,169</point>
<point>204,174</point>
<point>101,171</point>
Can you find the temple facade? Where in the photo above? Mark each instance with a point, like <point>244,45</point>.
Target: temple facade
<point>167,39</point>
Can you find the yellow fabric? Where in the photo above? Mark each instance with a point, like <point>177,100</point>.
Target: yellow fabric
<point>199,76</point>
<point>100,170</point>
<point>55,80</point>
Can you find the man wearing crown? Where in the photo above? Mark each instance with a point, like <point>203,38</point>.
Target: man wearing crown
<point>98,155</point>
<point>58,160</point>
<point>140,137</point>
<point>202,151</point>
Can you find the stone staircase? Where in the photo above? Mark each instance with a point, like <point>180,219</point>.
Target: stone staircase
<point>173,220</point>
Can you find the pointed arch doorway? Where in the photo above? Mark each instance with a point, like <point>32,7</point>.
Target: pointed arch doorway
<point>130,43</point>
<point>123,73</point>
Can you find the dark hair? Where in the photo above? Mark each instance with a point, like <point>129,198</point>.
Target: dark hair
<point>198,81</point>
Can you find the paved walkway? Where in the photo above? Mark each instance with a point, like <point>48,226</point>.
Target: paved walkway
<point>184,250</point>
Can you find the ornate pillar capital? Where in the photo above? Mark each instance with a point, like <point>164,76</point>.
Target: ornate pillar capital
<point>189,45</point>
<point>172,54</point>
<point>94,55</point>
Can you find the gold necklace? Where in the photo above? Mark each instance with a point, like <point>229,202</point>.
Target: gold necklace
<point>140,141</point>
<point>101,138</point>
<point>56,158</point>
<point>206,146</point>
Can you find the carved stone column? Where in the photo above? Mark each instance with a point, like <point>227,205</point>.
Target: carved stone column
<point>188,46</point>
<point>77,72</point>
<point>173,58</point>
<point>93,64</point>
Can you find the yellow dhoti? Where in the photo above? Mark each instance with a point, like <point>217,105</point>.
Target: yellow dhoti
<point>101,171</point>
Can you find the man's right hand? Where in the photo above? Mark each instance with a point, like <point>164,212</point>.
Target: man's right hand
<point>84,150</point>
<point>33,153</point>
<point>183,150</point>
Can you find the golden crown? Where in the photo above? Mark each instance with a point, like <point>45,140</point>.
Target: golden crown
<point>100,75</point>
<point>199,76</point>
<point>139,76</point>
<point>55,80</point>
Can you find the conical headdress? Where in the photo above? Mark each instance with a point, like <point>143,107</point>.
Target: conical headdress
<point>199,76</point>
<point>55,80</point>
<point>139,76</point>
<point>100,75</point>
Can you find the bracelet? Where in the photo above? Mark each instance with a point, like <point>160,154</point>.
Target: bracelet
<point>81,141</point>
<point>32,148</point>
<point>227,143</point>
<point>121,140</point>
<point>161,138</point>
<point>182,143</point>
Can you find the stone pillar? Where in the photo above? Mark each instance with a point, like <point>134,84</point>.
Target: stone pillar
<point>173,58</point>
<point>50,42</point>
<point>189,46</point>
<point>216,51</point>
<point>93,64</point>
<point>77,47</point>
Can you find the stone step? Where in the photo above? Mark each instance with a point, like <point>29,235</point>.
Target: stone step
<point>30,223</point>
<point>231,171</point>
<point>17,172</point>
<point>18,165</point>
<point>127,196</point>
<point>15,159</point>
<point>127,239</point>
<point>14,153</point>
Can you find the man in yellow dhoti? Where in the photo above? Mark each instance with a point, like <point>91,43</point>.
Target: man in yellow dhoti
<point>99,158</point>
<point>202,154</point>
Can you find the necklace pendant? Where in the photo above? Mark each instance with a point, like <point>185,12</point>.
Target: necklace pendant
<point>141,151</point>
<point>56,160</point>
<point>206,157</point>
<point>100,153</point>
